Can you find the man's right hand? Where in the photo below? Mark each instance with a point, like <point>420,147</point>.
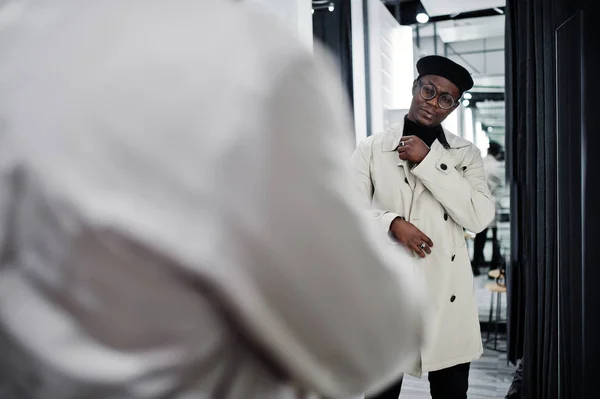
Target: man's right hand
<point>411,237</point>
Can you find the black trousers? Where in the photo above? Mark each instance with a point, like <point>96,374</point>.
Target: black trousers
<point>450,383</point>
<point>480,239</point>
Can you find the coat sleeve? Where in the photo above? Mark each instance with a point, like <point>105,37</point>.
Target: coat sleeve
<point>495,178</point>
<point>329,306</point>
<point>362,185</point>
<point>466,198</point>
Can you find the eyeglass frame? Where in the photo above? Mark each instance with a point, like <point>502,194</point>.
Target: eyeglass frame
<point>421,84</point>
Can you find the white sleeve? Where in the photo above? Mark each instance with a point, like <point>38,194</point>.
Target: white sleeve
<point>339,316</point>
<point>362,184</point>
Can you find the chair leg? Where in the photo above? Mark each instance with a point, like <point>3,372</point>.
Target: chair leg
<point>490,318</point>
<point>498,317</point>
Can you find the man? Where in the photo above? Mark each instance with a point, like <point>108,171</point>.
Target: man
<point>424,185</point>
<point>173,222</point>
<point>494,172</point>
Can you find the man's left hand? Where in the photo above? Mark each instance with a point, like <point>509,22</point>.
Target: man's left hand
<point>412,149</point>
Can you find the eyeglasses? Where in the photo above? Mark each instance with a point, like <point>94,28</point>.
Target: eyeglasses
<point>428,91</point>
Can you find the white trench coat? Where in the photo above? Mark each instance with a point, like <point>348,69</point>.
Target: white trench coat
<point>444,193</point>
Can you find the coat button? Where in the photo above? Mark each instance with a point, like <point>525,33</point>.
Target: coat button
<point>453,298</point>
<point>453,256</point>
<point>445,216</point>
<point>464,168</point>
<point>405,180</point>
<point>443,166</point>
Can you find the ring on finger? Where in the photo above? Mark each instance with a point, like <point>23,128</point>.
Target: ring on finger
<point>423,245</point>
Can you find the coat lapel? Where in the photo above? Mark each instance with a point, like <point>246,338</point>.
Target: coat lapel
<point>390,142</point>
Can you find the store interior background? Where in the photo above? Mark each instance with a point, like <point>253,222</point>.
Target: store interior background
<point>534,64</point>
<point>377,44</point>
<point>393,41</point>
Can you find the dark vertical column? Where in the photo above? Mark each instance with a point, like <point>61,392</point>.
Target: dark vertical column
<point>435,39</point>
<point>367,67</point>
<point>334,30</point>
<point>418,36</point>
<point>591,210</point>
<point>569,209</point>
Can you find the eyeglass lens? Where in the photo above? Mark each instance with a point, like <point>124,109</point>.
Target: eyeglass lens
<point>445,101</point>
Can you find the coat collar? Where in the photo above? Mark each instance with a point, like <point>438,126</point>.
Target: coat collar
<point>392,136</point>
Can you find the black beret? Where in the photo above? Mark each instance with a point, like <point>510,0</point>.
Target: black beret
<point>442,66</point>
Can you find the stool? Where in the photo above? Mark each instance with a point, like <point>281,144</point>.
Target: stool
<point>494,274</point>
<point>496,290</point>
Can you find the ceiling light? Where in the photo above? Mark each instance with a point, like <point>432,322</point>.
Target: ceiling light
<point>313,10</point>
<point>422,18</point>
<point>466,103</point>
<point>331,7</point>
<point>490,129</point>
<point>467,96</point>
<point>498,10</point>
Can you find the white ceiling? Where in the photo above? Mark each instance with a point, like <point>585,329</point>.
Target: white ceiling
<point>488,27</point>
<point>446,7</point>
<point>466,29</point>
<point>489,83</point>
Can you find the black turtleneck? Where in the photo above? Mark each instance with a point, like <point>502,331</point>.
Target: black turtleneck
<point>427,134</point>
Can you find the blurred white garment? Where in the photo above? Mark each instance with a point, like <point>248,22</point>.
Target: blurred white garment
<point>495,175</point>
<point>174,220</point>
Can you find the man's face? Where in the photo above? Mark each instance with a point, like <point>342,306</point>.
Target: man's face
<point>427,112</point>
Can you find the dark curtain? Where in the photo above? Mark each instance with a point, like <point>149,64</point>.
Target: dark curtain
<point>577,51</point>
<point>590,348</point>
<point>515,271</point>
<point>334,29</point>
<point>552,65</point>
<point>531,160</point>
<point>569,60</point>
